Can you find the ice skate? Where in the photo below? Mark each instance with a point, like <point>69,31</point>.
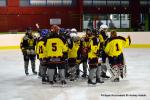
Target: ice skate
<point>99,81</point>
<point>44,80</point>
<point>84,76</point>
<point>63,82</point>
<point>90,82</point>
<point>51,82</point>
<point>104,75</point>
<point>34,73</point>
<point>116,80</point>
<point>27,73</point>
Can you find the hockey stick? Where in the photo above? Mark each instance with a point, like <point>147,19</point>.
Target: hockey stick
<point>83,72</point>
<point>124,69</point>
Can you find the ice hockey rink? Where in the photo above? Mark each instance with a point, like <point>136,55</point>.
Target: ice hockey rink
<point>14,85</point>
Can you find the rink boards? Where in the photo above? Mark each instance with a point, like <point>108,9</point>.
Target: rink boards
<point>139,39</point>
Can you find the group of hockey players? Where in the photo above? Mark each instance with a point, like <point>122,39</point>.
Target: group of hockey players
<point>61,51</point>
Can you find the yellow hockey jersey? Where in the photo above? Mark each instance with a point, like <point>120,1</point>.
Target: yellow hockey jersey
<point>73,52</point>
<point>40,49</point>
<point>115,45</point>
<point>28,43</point>
<point>55,47</point>
<point>94,47</point>
<point>101,39</point>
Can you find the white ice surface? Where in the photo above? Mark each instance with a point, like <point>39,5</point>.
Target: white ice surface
<point>14,85</point>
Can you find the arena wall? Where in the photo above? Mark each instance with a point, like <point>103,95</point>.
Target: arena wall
<point>139,40</point>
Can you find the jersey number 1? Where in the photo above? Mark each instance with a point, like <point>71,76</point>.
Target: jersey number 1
<point>40,50</point>
<point>117,47</point>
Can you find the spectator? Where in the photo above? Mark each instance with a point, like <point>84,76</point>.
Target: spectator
<point>111,25</point>
<point>90,24</point>
<point>99,24</point>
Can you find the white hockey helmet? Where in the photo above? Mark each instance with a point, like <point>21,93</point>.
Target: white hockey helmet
<point>103,27</point>
<point>73,30</point>
<point>72,35</point>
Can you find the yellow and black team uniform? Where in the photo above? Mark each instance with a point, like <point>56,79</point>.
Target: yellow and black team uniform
<point>114,49</point>
<point>93,52</point>
<point>55,50</point>
<point>27,46</point>
<point>73,52</point>
<point>65,40</point>
<point>74,56</point>
<point>95,70</point>
<point>103,40</point>
<point>41,55</point>
<point>40,48</point>
<point>85,42</point>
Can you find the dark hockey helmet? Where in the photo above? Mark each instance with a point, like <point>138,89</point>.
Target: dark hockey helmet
<point>88,32</point>
<point>62,31</point>
<point>95,32</point>
<point>29,30</point>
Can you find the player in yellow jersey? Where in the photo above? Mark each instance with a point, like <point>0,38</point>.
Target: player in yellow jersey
<point>103,36</point>
<point>55,50</point>
<point>114,50</point>
<point>27,46</point>
<point>74,56</point>
<point>41,54</point>
<point>63,33</point>
<point>93,56</point>
<point>85,41</point>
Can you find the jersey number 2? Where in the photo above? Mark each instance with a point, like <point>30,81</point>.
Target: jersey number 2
<point>54,47</point>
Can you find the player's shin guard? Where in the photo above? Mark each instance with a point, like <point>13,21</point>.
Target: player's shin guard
<point>98,75</point>
<point>43,70</point>
<point>33,66</point>
<point>84,69</point>
<point>62,74</point>
<point>123,71</point>
<point>43,73</point>
<point>103,67</point>
<point>91,76</point>
<point>72,71</point>
<point>40,70</point>
<point>104,70</point>
<point>26,63</point>
<point>50,73</point>
<point>114,71</point>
